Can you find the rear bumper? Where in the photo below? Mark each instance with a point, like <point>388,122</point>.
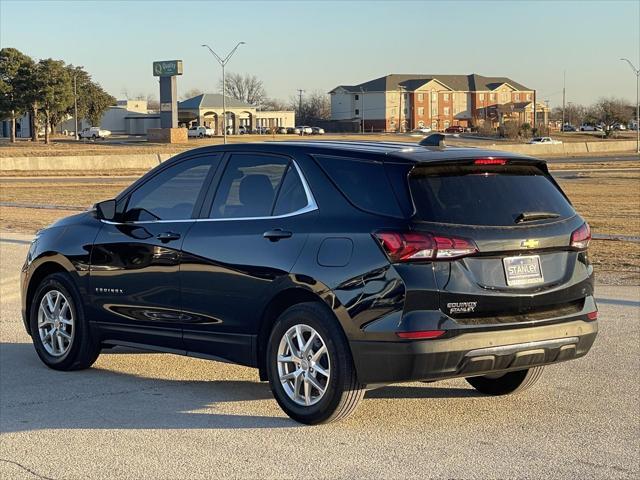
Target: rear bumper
<point>473,353</point>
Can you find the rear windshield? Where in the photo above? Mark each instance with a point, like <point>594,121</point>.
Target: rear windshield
<point>491,196</point>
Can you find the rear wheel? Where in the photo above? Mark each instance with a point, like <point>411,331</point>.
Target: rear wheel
<point>59,330</point>
<point>310,368</point>
<point>507,383</point>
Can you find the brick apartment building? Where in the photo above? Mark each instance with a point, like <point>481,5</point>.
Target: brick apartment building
<point>404,102</point>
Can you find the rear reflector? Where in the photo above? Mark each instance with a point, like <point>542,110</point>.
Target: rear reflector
<point>490,161</point>
<point>580,238</point>
<point>423,335</point>
<point>416,246</point>
<point>592,315</point>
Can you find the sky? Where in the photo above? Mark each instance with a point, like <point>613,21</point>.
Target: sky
<point>318,45</point>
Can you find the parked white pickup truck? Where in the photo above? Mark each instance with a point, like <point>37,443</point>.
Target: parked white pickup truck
<point>200,132</point>
<point>94,133</point>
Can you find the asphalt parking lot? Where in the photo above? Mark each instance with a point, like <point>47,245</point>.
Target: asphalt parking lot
<point>146,415</point>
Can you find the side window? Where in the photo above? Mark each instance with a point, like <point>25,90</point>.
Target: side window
<point>170,195</point>
<point>291,196</point>
<point>248,186</point>
<point>363,182</point>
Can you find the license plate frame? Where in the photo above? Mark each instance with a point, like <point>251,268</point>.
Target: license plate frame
<point>529,273</point>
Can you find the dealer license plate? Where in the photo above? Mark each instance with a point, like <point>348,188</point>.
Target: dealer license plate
<point>523,270</point>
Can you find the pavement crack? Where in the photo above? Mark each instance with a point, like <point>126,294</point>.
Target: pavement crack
<point>26,469</point>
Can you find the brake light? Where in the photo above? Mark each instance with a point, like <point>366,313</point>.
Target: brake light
<point>581,237</point>
<point>415,246</point>
<point>421,335</point>
<point>592,315</point>
<point>490,161</point>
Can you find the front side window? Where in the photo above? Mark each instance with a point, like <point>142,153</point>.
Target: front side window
<point>170,195</point>
<point>256,186</point>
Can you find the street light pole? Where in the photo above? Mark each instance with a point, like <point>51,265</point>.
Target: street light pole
<point>75,101</point>
<point>223,62</point>
<point>637,72</point>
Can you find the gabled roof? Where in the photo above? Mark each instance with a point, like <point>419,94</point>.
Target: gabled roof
<point>211,100</point>
<point>459,83</point>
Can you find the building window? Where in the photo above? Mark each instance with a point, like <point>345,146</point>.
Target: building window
<point>357,111</point>
<point>528,96</point>
<point>434,111</point>
<point>446,110</point>
<point>453,97</point>
<point>420,97</point>
<point>434,96</point>
<point>482,96</point>
<point>405,96</point>
<point>405,111</point>
<point>357,97</point>
<point>504,97</point>
<point>446,96</point>
<point>446,124</point>
<point>517,97</point>
<point>492,97</point>
<point>420,111</point>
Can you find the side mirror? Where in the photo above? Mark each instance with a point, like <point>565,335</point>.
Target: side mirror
<point>106,210</point>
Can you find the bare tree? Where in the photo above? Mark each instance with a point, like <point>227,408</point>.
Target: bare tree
<point>247,88</point>
<point>152,102</point>
<point>274,105</point>
<point>611,111</point>
<point>315,106</point>
<point>192,92</point>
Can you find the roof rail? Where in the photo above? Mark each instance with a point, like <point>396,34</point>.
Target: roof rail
<point>433,140</point>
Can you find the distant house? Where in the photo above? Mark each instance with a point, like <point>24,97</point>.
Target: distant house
<point>206,109</point>
<point>403,102</point>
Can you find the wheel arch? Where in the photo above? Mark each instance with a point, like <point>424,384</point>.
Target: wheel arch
<point>278,304</point>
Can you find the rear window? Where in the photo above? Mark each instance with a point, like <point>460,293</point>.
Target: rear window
<point>492,197</point>
<point>363,182</point>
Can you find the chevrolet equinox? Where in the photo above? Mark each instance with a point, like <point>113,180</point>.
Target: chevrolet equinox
<point>331,267</point>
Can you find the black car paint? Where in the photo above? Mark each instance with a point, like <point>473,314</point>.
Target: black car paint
<point>189,295</point>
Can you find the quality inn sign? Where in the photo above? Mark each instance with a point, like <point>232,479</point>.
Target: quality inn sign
<point>167,68</point>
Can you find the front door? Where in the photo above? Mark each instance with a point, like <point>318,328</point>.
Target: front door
<point>235,257</point>
<point>135,285</point>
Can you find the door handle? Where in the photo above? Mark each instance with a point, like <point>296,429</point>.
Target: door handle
<point>167,236</point>
<point>277,234</point>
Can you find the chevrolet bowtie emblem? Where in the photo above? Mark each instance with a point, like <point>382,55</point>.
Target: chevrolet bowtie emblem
<point>529,243</point>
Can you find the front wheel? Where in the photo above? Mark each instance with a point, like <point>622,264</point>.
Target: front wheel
<point>507,383</point>
<point>60,332</point>
<point>310,368</point>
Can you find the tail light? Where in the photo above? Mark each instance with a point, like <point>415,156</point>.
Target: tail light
<point>421,335</point>
<point>490,161</point>
<point>416,246</point>
<point>592,315</point>
<point>581,237</point>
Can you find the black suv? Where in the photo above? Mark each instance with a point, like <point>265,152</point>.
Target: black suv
<point>331,267</point>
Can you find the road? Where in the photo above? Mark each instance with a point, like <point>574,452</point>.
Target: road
<point>145,415</point>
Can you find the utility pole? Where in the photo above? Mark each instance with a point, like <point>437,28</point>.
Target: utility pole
<point>222,63</point>
<point>637,72</point>
<point>300,92</point>
<point>564,97</point>
<point>75,103</point>
<point>362,112</point>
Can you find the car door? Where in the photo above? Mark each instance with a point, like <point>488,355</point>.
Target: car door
<point>235,258</point>
<point>135,285</point>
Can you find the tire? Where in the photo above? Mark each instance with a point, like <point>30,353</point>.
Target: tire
<point>93,137</point>
<point>511,382</point>
<point>342,391</point>
<point>82,349</point>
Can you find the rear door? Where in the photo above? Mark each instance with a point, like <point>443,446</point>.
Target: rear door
<point>521,223</point>
<point>253,229</point>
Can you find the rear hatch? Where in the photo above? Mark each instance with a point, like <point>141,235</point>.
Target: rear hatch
<point>507,245</point>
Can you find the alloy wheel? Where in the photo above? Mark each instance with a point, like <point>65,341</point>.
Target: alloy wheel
<point>304,366</point>
<point>55,323</point>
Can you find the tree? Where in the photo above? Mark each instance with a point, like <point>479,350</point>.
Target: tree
<point>275,105</point>
<point>611,111</point>
<point>152,102</point>
<point>13,63</point>
<point>192,92</point>
<point>315,106</point>
<point>56,94</point>
<point>247,88</point>
<point>93,101</point>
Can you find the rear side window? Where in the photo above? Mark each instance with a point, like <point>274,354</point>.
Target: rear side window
<point>493,198</point>
<point>291,196</point>
<point>363,182</point>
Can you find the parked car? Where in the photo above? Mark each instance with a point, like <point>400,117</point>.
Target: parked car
<point>454,129</point>
<point>262,130</point>
<point>619,126</point>
<point>293,130</point>
<point>199,131</point>
<point>422,130</point>
<point>287,261</point>
<point>544,140</point>
<point>305,129</point>
<point>281,130</point>
<point>244,129</point>
<point>94,133</point>
<point>588,127</point>
<point>317,131</point>
<point>568,128</point>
